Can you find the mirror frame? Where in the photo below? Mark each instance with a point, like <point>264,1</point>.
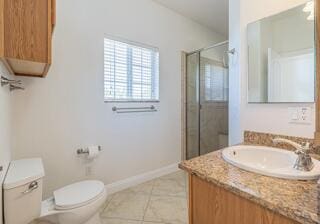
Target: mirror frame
<point>317,91</point>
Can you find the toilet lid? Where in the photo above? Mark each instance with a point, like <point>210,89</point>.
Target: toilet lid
<point>77,194</point>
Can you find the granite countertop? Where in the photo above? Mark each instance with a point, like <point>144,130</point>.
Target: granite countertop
<point>297,200</point>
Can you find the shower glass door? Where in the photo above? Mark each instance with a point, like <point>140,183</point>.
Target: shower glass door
<point>192,105</point>
<point>207,101</point>
<point>214,91</point>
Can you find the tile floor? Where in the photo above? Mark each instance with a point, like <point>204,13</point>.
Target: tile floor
<point>160,201</point>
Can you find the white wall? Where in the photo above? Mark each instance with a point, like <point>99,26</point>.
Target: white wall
<point>56,115</point>
<point>5,130</point>
<point>235,129</point>
<point>271,118</point>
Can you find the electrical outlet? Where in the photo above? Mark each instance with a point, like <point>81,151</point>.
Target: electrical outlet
<point>300,115</point>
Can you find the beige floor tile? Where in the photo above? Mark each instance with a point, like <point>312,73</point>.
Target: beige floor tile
<point>153,223</point>
<point>119,221</point>
<point>126,206</point>
<point>180,176</point>
<point>169,187</point>
<point>144,188</point>
<point>103,207</point>
<point>171,210</point>
<point>40,222</point>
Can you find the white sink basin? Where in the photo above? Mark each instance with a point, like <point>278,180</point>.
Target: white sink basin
<point>269,161</point>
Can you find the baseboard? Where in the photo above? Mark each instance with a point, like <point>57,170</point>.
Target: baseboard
<point>139,179</point>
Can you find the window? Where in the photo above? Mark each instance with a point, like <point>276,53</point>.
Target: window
<point>131,72</point>
<point>216,81</point>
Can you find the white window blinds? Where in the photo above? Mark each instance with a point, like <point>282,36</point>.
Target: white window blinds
<point>131,72</point>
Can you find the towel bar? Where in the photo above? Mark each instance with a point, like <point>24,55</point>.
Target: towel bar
<point>122,110</point>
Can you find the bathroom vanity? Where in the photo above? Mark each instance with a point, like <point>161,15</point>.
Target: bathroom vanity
<point>222,193</point>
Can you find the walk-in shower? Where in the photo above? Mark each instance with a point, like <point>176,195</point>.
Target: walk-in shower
<point>207,82</point>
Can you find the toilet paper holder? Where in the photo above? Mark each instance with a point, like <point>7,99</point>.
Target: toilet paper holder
<point>86,151</point>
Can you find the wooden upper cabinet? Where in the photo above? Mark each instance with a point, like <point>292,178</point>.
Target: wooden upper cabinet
<point>26,28</point>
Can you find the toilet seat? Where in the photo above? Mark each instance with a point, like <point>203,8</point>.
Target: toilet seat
<point>78,194</point>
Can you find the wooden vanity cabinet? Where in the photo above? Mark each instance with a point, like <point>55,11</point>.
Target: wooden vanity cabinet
<point>210,204</point>
<point>26,28</point>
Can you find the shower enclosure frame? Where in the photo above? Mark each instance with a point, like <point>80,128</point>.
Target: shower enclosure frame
<point>185,94</point>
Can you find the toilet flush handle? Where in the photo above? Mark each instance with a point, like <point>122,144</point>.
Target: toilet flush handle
<point>32,187</point>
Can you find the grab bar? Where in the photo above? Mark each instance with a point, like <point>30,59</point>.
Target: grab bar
<point>122,110</point>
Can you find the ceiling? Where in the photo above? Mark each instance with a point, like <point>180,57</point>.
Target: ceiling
<point>210,13</point>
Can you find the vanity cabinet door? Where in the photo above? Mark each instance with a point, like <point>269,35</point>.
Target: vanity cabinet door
<point>210,204</point>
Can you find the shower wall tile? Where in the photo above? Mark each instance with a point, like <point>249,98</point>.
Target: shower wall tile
<point>214,121</point>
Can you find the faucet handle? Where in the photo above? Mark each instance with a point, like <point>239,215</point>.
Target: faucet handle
<point>303,149</point>
<point>306,146</point>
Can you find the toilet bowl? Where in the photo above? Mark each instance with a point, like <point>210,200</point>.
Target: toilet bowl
<point>78,203</point>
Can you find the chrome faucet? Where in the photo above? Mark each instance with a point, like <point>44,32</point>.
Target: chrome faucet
<point>304,161</point>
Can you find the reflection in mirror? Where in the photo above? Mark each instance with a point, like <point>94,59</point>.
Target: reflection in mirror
<point>281,57</point>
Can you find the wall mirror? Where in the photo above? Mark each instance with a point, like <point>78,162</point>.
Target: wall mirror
<point>281,56</point>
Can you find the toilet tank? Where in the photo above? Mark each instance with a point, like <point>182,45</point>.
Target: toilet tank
<point>22,191</point>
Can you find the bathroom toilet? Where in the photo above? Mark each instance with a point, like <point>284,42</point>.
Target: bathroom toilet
<point>77,203</point>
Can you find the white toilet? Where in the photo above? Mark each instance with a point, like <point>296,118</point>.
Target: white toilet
<point>78,203</point>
